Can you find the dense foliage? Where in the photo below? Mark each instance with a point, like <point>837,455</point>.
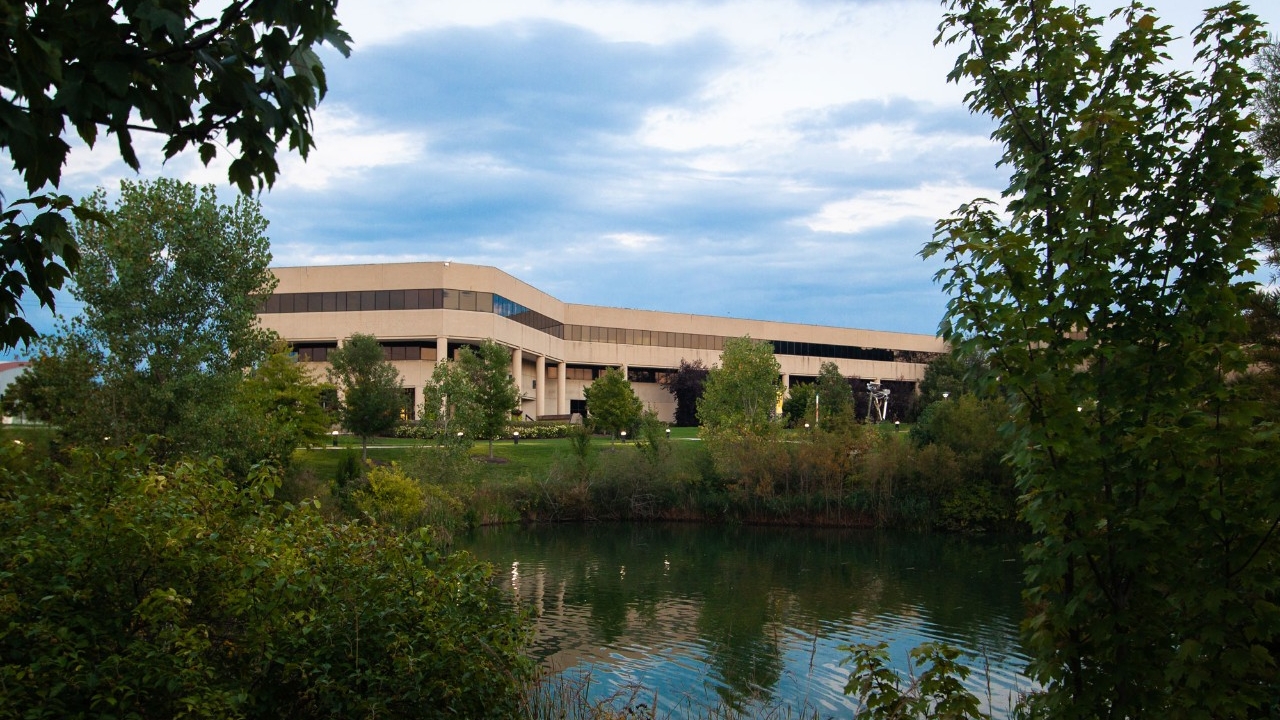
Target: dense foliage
<point>1106,294</point>
<point>1266,138</point>
<point>275,410</point>
<point>612,406</point>
<point>170,281</point>
<point>130,589</point>
<point>244,81</point>
<point>742,390</point>
<point>1267,103</point>
<point>798,406</point>
<point>832,399</point>
<point>686,385</point>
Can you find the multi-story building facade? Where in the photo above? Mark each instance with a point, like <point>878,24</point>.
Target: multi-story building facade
<point>424,312</point>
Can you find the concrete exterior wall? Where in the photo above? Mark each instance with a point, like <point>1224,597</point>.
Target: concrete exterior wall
<point>468,326</point>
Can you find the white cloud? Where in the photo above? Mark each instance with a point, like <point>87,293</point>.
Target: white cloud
<point>633,241</point>
<point>348,145</point>
<point>881,208</point>
<point>884,142</point>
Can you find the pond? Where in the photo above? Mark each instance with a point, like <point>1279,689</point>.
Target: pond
<point>752,618</point>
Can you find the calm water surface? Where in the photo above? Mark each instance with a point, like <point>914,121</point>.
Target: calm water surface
<point>754,617</point>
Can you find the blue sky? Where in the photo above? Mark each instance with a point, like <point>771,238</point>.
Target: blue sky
<point>772,159</point>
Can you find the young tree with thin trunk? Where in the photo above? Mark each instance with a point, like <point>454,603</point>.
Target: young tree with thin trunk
<point>475,393</point>
<point>372,392</point>
<point>833,398</point>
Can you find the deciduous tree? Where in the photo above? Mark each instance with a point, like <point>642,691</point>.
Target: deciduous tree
<point>611,403</point>
<point>798,406</point>
<point>170,283</point>
<point>1266,138</point>
<point>245,80</point>
<point>276,408</point>
<point>1106,292</point>
<point>686,385</point>
<point>742,390</point>
<point>475,392</point>
<point>945,374</point>
<point>372,392</point>
<point>833,398</point>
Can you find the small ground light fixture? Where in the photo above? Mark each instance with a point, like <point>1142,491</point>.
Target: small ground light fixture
<point>668,433</point>
<point>945,395</point>
<point>515,437</point>
<point>335,438</point>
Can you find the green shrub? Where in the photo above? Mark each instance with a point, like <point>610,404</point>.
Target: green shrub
<point>535,430</point>
<point>448,462</point>
<point>395,499</point>
<point>542,430</point>
<point>134,590</point>
<point>415,431</point>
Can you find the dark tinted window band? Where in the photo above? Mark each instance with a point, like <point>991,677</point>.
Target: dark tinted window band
<point>438,298</point>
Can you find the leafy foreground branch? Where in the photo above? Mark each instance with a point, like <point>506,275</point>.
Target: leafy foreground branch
<point>1106,292</point>
<point>135,590</point>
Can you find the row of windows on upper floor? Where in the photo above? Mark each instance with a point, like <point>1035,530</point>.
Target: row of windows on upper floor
<point>446,299</point>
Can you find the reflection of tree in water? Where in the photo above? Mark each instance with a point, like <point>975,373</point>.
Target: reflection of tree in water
<point>738,611</point>
<point>733,591</point>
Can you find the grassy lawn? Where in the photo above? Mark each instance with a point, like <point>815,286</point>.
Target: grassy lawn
<point>37,436</point>
<point>532,458</point>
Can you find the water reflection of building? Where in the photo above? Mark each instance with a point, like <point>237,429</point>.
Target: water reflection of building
<point>567,636</point>
<point>753,616</point>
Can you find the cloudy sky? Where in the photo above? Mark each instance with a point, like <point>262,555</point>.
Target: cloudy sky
<point>771,159</point>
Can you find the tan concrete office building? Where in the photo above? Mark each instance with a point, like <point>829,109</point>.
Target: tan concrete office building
<point>424,312</point>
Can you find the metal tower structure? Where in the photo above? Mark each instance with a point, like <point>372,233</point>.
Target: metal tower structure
<point>877,402</point>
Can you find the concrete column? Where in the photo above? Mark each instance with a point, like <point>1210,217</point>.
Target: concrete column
<point>517,369</point>
<point>624,371</point>
<point>539,386</point>
<point>562,395</point>
<point>442,355</point>
<point>786,385</point>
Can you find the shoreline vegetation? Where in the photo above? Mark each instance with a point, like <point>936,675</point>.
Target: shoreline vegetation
<point>861,476</point>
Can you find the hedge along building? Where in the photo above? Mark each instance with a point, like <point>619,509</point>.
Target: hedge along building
<point>424,312</point>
